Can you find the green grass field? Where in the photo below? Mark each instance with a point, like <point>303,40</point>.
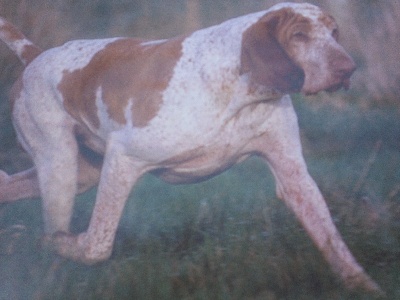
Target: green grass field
<point>230,237</point>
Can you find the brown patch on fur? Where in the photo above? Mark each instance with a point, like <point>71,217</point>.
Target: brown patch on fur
<point>264,55</point>
<point>289,24</point>
<point>327,20</point>
<point>126,72</point>
<point>30,53</point>
<point>330,23</point>
<point>12,32</point>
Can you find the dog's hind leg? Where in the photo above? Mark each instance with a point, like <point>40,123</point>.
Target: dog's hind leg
<point>57,170</point>
<point>25,184</point>
<point>21,185</point>
<point>47,133</point>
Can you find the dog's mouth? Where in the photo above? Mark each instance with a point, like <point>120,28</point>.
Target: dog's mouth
<point>343,83</point>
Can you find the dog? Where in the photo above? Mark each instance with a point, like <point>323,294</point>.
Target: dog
<point>185,109</point>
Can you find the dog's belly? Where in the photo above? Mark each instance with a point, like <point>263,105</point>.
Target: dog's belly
<point>199,168</point>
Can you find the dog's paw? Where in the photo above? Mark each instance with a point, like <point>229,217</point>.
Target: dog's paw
<point>50,242</point>
<point>74,247</point>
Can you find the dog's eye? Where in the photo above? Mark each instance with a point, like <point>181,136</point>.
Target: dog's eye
<point>300,36</point>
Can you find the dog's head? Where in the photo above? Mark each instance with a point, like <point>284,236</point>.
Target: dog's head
<point>293,48</point>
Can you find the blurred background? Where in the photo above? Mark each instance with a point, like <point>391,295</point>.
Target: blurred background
<point>229,242</point>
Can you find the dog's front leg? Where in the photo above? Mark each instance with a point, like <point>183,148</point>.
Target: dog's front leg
<point>281,148</point>
<point>119,173</point>
<point>300,193</point>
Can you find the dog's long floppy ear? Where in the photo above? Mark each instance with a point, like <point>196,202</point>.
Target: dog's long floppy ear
<point>265,59</point>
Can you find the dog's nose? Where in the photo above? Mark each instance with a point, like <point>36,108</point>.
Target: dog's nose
<point>344,66</point>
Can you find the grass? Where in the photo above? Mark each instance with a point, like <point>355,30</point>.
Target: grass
<point>229,237</point>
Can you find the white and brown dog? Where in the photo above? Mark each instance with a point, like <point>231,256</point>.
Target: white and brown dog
<point>107,111</point>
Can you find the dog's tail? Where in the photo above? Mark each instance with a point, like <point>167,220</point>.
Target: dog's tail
<point>18,43</point>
